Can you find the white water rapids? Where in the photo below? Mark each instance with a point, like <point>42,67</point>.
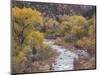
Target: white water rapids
<point>65,60</point>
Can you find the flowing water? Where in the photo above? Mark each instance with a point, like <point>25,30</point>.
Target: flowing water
<point>65,59</point>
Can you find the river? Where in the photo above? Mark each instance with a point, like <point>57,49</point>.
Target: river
<point>65,59</point>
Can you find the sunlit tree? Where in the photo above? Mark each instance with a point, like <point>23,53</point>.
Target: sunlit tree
<point>24,34</point>
<point>24,20</point>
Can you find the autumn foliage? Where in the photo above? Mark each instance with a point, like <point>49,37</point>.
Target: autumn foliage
<point>32,25</point>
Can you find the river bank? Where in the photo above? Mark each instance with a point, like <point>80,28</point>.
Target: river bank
<point>69,58</point>
<point>65,60</point>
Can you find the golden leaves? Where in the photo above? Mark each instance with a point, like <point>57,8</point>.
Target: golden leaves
<point>24,20</point>
<point>28,15</point>
<point>77,20</point>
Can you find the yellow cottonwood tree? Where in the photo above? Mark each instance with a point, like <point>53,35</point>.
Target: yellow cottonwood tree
<point>24,20</point>
<point>23,30</point>
<point>35,38</point>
